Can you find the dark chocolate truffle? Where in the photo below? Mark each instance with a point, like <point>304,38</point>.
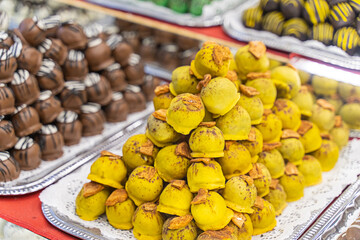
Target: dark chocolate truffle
<point>316,11</point>
<point>323,32</point>
<point>26,121</point>
<point>98,89</point>
<point>92,119</point>
<point>7,100</point>
<point>51,142</point>
<point>355,4</point>
<point>25,87</point>
<point>9,168</point>
<point>273,22</point>
<point>269,5</point>
<point>342,15</point>
<point>73,96</point>
<point>98,55</point>
<point>54,49</point>
<point>72,35</point>
<point>118,109</point>
<point>70,127</point>
<point>291,8</point>
<point>7,135</point>
<point>149,86</point>
<point>135,98</point>
<point>27,153</point>
<point>121,50</point>
<point>252,17</point>
<point>134,72</point>
<point>75,67</point>
<point>30,59</point>
<point>50,76</point>
<point>296,27</point>
<point>48,107</point>
<point>116,77</point>
<point>347,39</point>
<point>5,40</point>
<point>8,65</point>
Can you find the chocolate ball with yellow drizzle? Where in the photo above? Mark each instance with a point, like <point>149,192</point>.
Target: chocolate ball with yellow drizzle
<point>252,18</point>
<point>316,11</point>
<point>291,8</point>
<point>269,5</point>
<point>355,4</point>
<point>347,39</point>
<point>342,15</point>
<point>273,22</point>
<point>296,27</point>
<point>323,32</point>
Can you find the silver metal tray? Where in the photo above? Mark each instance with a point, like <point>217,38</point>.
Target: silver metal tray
<point>233,26</point>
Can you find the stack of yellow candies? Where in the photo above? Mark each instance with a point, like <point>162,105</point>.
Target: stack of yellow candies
<point>223,153</point>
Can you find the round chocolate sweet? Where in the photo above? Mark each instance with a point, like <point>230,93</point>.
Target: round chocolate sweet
<point>48,107</point>
<point>296,27</point>
<point>7,135</point>
<point>316,11</point>
<point>164,37</point>
<point>98,55</point>
<point>25,87</point>
<point>135,98</point>
<point>94,30</point>
<point>30,59</point>
<point>72,35</point>
<point>149,86</point>
<point>8,66</point>
<point>50,76</point>
<point>323,32</point>
<point>147,49</point>
<point>291,8</point>
<point>167,56</point>
<point>252,17</point>
<point>269,5</point>
<point>273,22</point>
<point>70,127</point>
<point>116,77</point>
<point>92,119</point>
<point>54,49</point>
<point>143,31</point>
<point>7,100</point>
<point>121,50</point>
<point>31,31</point>
<point>9,168</point>
<point>5,40</point>
<point>342,15</point>
<point>75,67</point>
<point>51,142</point>
<point>355,4</point>
<point>347,39</point>
<point>27,153</point>
<point>118,109</point>
<point>186,43</point>
<point>134,72</point>
<point>98,89</point>
<point>132,38</point>
<point>73,96</point>
<point>187,56</point>
<point>26,121</point>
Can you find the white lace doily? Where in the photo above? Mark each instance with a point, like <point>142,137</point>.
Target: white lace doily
<point>61,196</point>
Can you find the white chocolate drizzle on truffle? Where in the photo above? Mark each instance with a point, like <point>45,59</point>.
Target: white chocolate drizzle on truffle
<point>19,108</point>
<point>134,59</point>
<point>117,96</point>
<point>24,143</point>
<point>48,129</point>
<point>148,78</point>
<point>133,88</point>
<point>67,117</point>
<point>4,20</point>
<point>94,42</point>
<point>4,155</point>
<point>93,30</point>
<point>149,41</point>
<point>114,40</point>
<point>90,108</point>
<point>1,117</point>
<point>172,48</point>
<point>91,79</point>
<point>20,76</point>
<point>112,67</point>
<point>3,36</point>
<point>48,22</point>
<point>45,45</point>
<point>75,56</point>
<point>16,48</point>
<point>75,85</point>
<point>2,85</point>
<point>5,54</point>
<point>45,95</point>
<point>47,67</point>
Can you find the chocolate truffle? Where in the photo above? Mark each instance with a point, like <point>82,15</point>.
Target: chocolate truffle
<point>25,87</point>
<point>54,49</point>
<point>355,4</point>
<point>135,98</point>
<point>116,77</point>
<point>296,27</point>
<point>72,35</point>
<point>26,121</point>
<point>48,107</point>
<point>149,86</point>
<point>27,153</point>
<point>98,55</point>
<point>252,17</point>
<point>94,30</point>
<point>291,8</point>
<point>134,72</point>
<point>9,168</point>
<point>98,89</point>
<point>186,43</point>
<point>70,127</point>
<point>167,56</point>
<point>5,40</point>
<point>132,38</point>
<point>51,142</point>
<point>50,76</point>
<point>273,22</point>
<point>75,67</point>
<point>164,37</point>
<point>7,135</point>
<point>8,65</point>
<point>334,2</point>
<point>347,39</point>
<point>269,5</point>
<point>143,31</point>
<point>323,32</point>
<point>92,119</point>
<point>30,59</point>
<point>121,50</point>
<point>316,11</point>
<point>73,96</point>
<point>7,100</point>
<point>341,15</point>
<point>187,56</point>
<point>148,49</point>
<point>118,109</point>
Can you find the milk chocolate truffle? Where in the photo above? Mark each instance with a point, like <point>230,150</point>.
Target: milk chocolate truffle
<point>164,37</point>
<point>26,121</point>
<point>148,49</point>
<point>273,22</point>
<point>72,35</point>
<point>98,55</point>
<point>149,86</point>
<point>75,67</point>
<point>134,72</point>
<point>70,127</point>
<point>118,109</point>
<point>291,8</point>
<point>120,49</point>
<point>186,43</point>
<point>7,135</point>
<point>27,153</point>
<point>98,89</point>
<point>48,107</point>
<point>116,77</point>
<point>25,87</point>
<point>5,40</point>
<point>9,168</point>
<point>73,96</point>
<point>51,142</point>
<point>323,32</point>
<point>54,49</point>
<point>50,76</point>
<point>347,39</point>
<point>30,59</point>
<point>296,27</point>
<point>8,65</point>
<point>133,39</point>
<point>135,99</point>
<point>7,100</point>
<point>342,15</point>
<point>92,119</point>
<point>167,56</point>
